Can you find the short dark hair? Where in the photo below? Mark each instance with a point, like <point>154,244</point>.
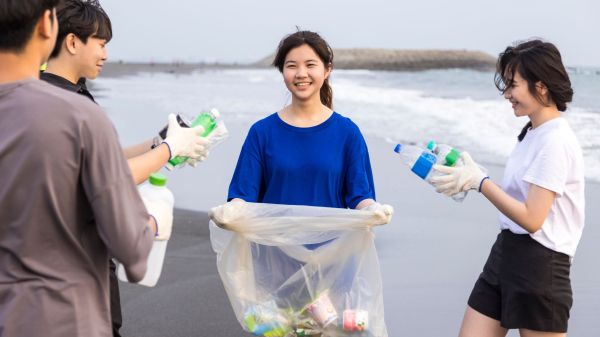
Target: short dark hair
<point>18,19</point>
<point>85,19</point>
<point>321,48</point>
<point>536,61</point>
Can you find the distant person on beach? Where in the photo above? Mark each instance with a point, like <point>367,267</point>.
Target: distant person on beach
<point>67,200</point>
<point>305,154</point>
<point>525,282</point>
<point>79,54</point>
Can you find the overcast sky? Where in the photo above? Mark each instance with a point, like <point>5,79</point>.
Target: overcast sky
<point>244,31</point>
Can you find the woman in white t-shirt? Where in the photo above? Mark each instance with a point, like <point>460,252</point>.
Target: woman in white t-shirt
<point>525,282</point>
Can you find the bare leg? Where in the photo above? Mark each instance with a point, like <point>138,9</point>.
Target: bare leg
<point>531,333</point>
<point>475,324</point>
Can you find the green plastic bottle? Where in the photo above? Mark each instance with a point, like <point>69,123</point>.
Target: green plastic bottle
<point>208,121</point>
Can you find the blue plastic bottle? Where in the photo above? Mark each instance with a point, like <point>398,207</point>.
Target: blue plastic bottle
<point>419,160</point>
<point>448,156</point>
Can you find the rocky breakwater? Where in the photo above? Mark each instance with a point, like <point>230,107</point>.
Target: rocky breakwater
<point>405,60</point>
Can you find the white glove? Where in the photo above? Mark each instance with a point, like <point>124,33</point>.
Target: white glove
<point>382,212</point>
<point>185,142</point>
<point>218,134</point>
<point>458,179</point>
<point>193,162</point>
<point>162,213</point>
<point>227,213</point>
<point>216,137</point>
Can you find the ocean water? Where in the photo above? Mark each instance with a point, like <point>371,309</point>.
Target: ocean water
<point>457,107</point>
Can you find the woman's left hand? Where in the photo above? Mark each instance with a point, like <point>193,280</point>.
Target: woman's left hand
<point>383,212</point>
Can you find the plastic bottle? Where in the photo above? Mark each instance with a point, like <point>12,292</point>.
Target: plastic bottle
<point>419,160</point>
<point>155,190</point>
<point>208,121</point>
<point>448,156</point>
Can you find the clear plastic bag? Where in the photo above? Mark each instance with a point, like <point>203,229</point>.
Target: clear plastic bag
<point>300,270</point>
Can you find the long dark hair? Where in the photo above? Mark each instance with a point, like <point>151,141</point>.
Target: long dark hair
<point>321,48</point>
<point>536,61</point>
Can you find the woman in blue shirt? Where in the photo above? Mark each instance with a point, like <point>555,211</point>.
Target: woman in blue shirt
<point>305,154</point>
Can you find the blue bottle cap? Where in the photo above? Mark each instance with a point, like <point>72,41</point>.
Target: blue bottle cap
<point>397,149</point>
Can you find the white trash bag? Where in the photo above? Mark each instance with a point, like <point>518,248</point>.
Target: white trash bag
<point>292,271</point>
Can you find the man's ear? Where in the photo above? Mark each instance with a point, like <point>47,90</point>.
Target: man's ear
<point>46,24</point>
<point>70,43</point>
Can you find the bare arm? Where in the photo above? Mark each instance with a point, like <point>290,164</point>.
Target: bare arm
<point>139,149</point>
<point>142,166</point>
<point>529,214</point>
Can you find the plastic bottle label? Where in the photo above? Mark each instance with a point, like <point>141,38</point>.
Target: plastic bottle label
<point>423,165</point>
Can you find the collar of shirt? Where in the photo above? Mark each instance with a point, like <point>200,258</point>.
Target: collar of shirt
<point>63,83</point>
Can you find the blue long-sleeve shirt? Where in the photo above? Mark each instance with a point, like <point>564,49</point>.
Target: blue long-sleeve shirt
<point>325,165</point>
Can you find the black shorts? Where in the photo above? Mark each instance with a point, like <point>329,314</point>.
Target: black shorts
<point>524,285</point>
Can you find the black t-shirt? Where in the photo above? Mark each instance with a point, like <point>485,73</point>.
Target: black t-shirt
<point>62,82</point>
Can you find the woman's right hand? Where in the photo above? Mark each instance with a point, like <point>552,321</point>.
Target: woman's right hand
<point>227,213</point>
<point>460,178</point>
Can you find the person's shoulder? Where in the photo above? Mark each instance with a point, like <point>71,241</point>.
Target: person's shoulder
<point>557,131</point>
<point>346,123</point>
<point>558,137</point>
<point>569,139</point>
<point>56,98</point>
<point>265,123</point>
<point>69,107</point>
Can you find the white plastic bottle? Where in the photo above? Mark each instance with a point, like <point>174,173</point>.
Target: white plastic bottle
<point>448,156</point>
<point>155,190</point>
<point>419,160</point>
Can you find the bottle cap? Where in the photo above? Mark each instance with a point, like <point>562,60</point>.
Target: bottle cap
<point>215,113</point>
<point>431,145</point>
<point>398,148</point>
<point>452,157</point>
<point>158,179</point>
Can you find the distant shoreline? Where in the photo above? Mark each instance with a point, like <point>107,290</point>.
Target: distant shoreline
<point>119,69</point>
<point>405,60</point>
<point>368,59</point>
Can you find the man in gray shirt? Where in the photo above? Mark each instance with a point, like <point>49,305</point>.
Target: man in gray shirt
<point>67,198</point>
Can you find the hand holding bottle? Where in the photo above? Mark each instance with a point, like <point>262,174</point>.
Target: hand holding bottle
<point>218,135</point>
<point>159,202</point>
<point>162,212</point>
<point>184,142</point>
<point>459,179</point>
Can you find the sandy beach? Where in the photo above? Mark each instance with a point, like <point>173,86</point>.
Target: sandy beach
<point>431,255</point>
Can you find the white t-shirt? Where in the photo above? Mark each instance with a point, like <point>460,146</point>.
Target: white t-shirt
<point>550,157</point>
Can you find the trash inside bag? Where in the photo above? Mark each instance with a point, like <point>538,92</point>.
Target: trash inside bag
<point>292,271</point>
